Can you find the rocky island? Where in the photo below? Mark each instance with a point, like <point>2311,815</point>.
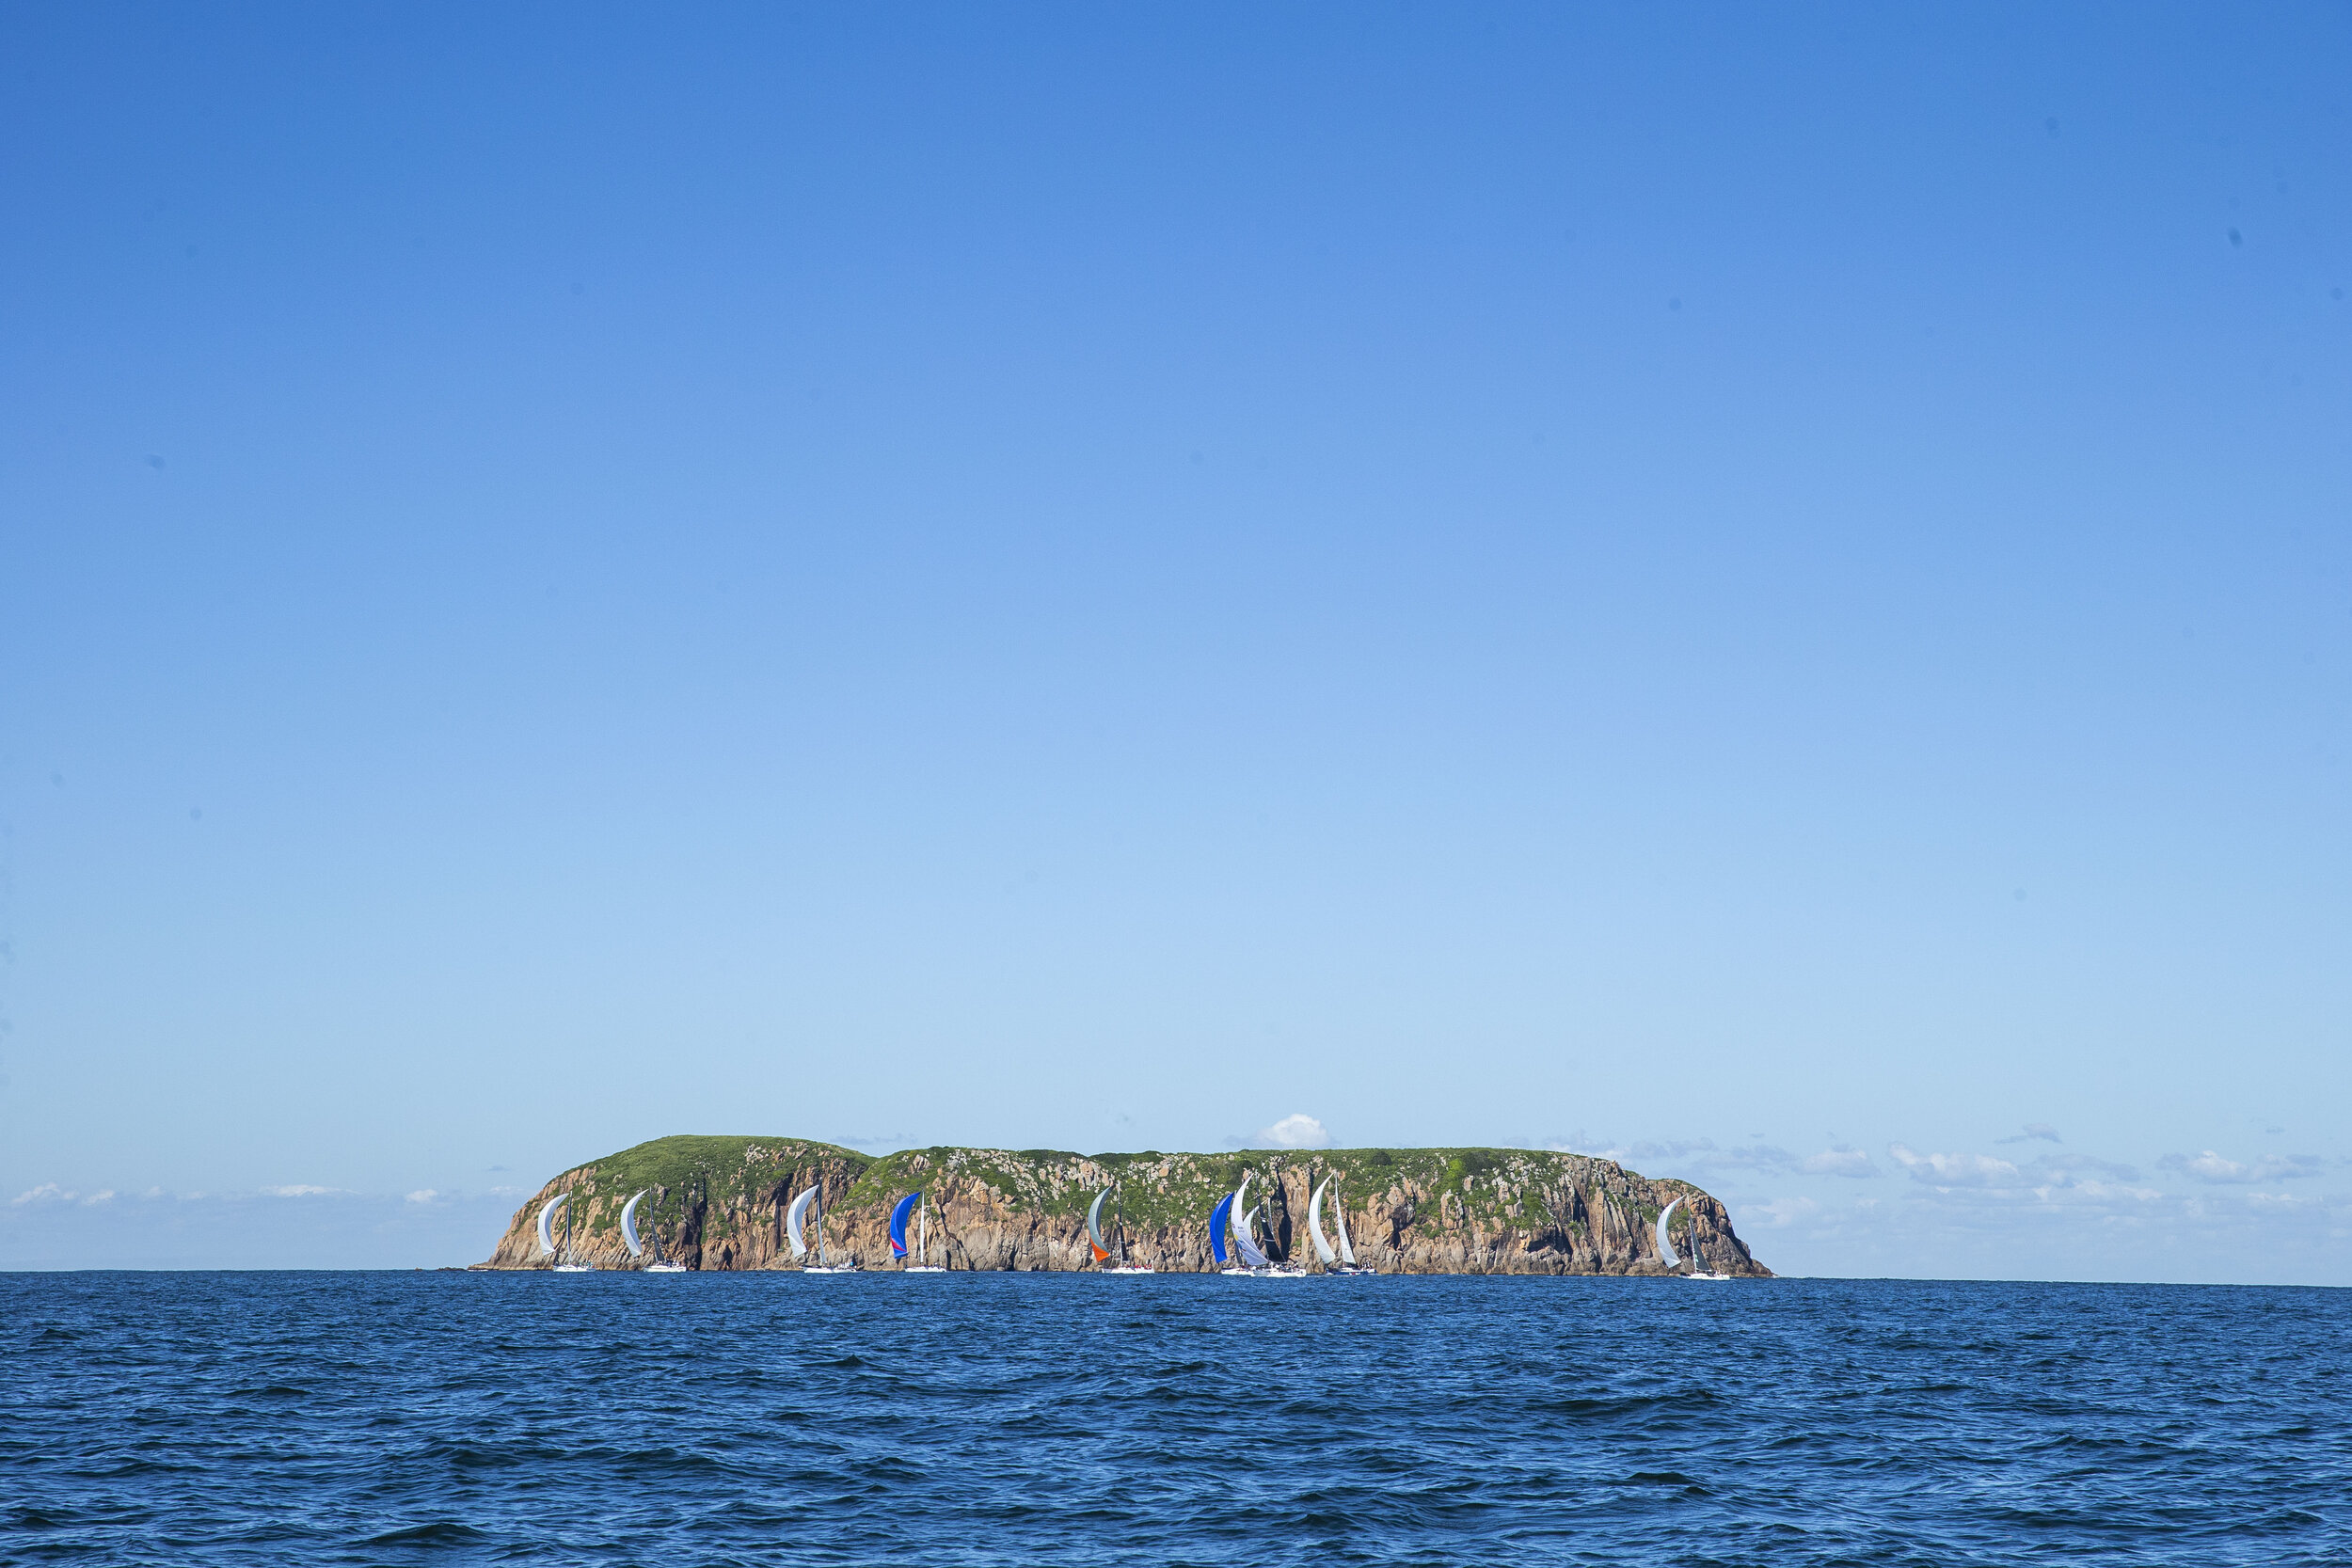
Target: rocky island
<point>720,1202</point>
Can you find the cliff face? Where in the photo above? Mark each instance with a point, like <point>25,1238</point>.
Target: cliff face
<point>719,1203</point>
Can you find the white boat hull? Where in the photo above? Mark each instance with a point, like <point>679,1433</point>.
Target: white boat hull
<point>1132,1268</point>
<point>666,1268</point>
<point>922,1268</point>
<point>575,1268</point>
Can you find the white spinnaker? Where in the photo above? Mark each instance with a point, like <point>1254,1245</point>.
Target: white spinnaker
<point>792,1222</point>
<point>1094,1220</point>
<point>1665,1247</point>
<point>1339,1212</point>
<point>628,1226</point>
<point>1314,1223</point>
<point>1249,1253</point>
<point>546,1225</point>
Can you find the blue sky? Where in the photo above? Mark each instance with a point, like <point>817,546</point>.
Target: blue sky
<point>1766,591</point>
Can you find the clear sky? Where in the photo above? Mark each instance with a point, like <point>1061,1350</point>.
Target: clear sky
<point>1766,588</point>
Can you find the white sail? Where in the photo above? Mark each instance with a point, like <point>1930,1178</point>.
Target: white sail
<point>1339,1212</point>
<point>1249,1253</point>
<point>1665,1247</point>
<point>546,1225</point>
<point>1314,1223</point>
<point>792,1222</point>
<point>628,1226</point>
<point>1095,1223</point>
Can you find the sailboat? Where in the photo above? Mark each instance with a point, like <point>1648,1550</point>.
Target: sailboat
<point>547,1244</point>
<point>637,1243</point>
<point>1095,1229</point>
<point>1259,1266</point>
<point>1666,1250</point>
<point>1698,1263</point>
<point>1343,1261</point>
<point>794,1221</point>
<point>1102,1250</point>
<point>1218,1217</point>
<point>915,1202</point>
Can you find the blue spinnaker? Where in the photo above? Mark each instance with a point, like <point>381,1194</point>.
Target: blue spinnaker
<point>899,1224</point>
<point>1218,1217</point>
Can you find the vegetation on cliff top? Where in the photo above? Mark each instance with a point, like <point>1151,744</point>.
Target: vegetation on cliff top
<point>739,1178</point>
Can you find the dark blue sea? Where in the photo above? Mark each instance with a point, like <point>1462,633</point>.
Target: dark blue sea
<point>1055,1419</point>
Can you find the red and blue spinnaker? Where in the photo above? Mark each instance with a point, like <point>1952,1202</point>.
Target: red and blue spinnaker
<point>899,1224</point>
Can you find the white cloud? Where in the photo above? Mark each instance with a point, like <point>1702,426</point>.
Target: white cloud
<point>1648,1153</point>
<point>2212,1167</point>
<point>300,1191</point>
<point>1955,1170</point>
<point>1296,1131</point>
<point>1701,1155</point>
<point>105,1197</point>
<point>1782,1212</point>
<point>48,1192</point>
<point>1838,1161</point>
<point>423,1194</point>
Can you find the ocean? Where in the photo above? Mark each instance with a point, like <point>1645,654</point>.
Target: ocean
<point>1058,1418</point>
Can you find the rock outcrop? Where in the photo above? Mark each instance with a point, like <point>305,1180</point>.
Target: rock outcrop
<point>719,1203</point>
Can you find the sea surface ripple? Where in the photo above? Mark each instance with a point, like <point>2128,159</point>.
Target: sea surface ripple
<point>1055,1419</point>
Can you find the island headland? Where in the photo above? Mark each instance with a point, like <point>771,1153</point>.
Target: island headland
<point>719,1203</point>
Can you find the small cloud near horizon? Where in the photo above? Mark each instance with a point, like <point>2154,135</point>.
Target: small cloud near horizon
<point>300,1189</point>
<point>1703,1154</point>
<point>1782,1212</point>
<point>1296,1131</point>
<point>2212,1167</point>
<point>1955,1170</point>
<point>2042,1130</point>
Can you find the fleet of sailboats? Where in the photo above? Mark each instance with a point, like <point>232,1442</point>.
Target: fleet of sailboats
<point>1233,1214</point>
<point>1254,1263</point>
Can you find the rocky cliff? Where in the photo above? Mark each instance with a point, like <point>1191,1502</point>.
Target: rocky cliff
<point>719,1203</point>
